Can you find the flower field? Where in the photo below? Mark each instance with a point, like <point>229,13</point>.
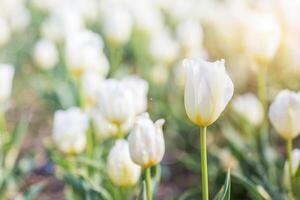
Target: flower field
<point>149,99</point>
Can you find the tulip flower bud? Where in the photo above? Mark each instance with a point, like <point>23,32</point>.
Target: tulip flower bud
<point>116,103</point>
<point>262,36</point>
<point>120,168</point>
<point>6,79</point>
<point>146,141</point>
<point>208,90</point>
<point>69,132</point>
<point>117,25</point>
<point>90,86</point>
<point>139,88</point>
<point>45,54</point>
<point>84,50</point>
<point>249,107</point>
<point>284,114</point>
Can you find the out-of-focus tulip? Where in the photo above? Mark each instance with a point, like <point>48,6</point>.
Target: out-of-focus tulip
<point>90,86</point>
<point>61,23</point>
<point>159,74</point>
<point>284,114</point>
<point>120,168</point>
<point>146,141</point>
<point>116,102</point>
<point>163,48</point>
<point>6,80</point>
<point>249,107</point>
<point>4,32</point>
<point>262,36</point>
<point>190,35</point>
<point>45,54</point>
<point>227,160</point>
<point>104,129</point>
<point>69,132</point>
<point>117,25</point>
<point>139,88</point>
<point>208,90</point>
<point>84,50</point>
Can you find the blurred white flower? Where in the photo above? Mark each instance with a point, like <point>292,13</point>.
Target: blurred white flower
<point>249,107</point>
<point>45,54</point>
<point>5,32</point>
<point>117,25</point>
<point>69,130</point>
<point>116,103</point>
<point>227,160</point>
<point>163,48</point>
<point>159,74</point>
<point>84,50</point>
<point>190,34</point>
<point>147,18</point>
<point>104,129</point>
<point>262,36</point>
<point>90,86</point>
<point>208,90</point>
<point>139,88</point>
<point>121,170</point>
<point>19,19</point>
<point>146,141</point>
<point>61,23</point>
<point>6,80</point>
<point>284,114</point>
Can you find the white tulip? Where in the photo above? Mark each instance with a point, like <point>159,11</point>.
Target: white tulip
<point>120,168</point>
<point>5,32</point>
<point>90,86</point>
<point>45,54</point>
<point>104,129</point>
<point>262,36</point>
<point>116,102</point>
<point>284,114</point>
<point>69,131</point>
<point>190,34</point>
<point>249,107</point>
<point>208,90</point>
<point>61,23</point>
<point>6,80</point>
<point>84,50</point>
<point>163,48</point>
<point>117,25</point>
<point>139,88</point>
<point>146,141</point>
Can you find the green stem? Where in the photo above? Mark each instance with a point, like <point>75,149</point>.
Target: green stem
<point>290,163</point>
<point>148,183</point>
<point>204,164</point>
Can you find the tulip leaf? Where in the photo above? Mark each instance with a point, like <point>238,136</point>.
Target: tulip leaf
<point>296,183</point>
<point>224,193</point>
<point>255,191</point>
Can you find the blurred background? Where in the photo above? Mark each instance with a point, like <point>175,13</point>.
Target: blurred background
<point>50,41</point>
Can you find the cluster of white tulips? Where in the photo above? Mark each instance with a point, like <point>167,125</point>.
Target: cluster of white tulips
<point>98,69</point>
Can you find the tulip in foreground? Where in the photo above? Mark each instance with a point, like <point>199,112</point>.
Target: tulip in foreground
<point>208,90</point>
<point>121,169</point>
<point>147,146</point>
